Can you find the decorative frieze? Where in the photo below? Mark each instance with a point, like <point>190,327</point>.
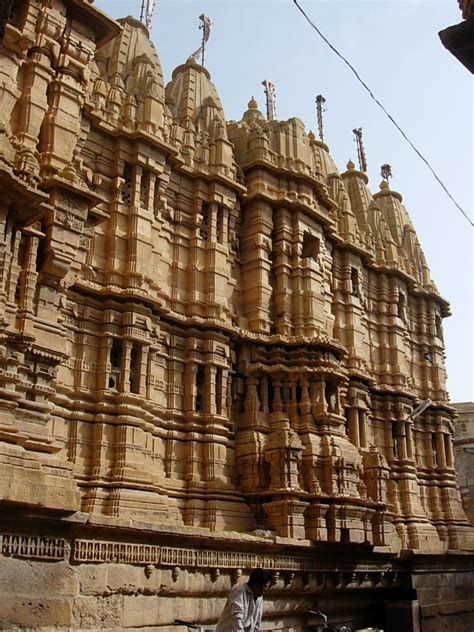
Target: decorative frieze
<point>33,546</point>
<point>94,551</point>
<point>118,552</point>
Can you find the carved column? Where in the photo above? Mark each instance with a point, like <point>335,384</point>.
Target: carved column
<point>256,247</point>
<point>353,419</point>
<point>124,384</point>
<point>32,107</point>
<point>189,379</point>
<point>363,428</point>
<point>440,452</point>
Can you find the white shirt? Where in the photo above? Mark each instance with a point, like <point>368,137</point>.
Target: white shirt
<point>242,611</point>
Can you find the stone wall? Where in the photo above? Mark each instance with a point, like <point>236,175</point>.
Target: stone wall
<point>79,579</point>
<point>445,589</point>
<point>464,454</point>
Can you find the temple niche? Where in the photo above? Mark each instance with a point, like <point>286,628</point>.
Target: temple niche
<point>213,349</point>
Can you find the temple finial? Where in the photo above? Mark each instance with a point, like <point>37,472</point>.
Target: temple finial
<point>205,26</point>
<point>270,96</point>
<point>320,101</point>
<point>360,149</point>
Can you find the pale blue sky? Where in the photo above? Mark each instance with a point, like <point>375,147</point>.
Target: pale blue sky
<point>395,47</point>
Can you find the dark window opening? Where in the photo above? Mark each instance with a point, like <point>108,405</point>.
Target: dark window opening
<point>311,247</point>
<point>115,362</point>
<point>204,228</point>
<point>145,188</point>
<point>271,395</point>
<point>395,439</point>
<point>135,357</point>
<point>355,282</point>
<point>401,306</point>
<point>126,188</point>
<point>298,393</point>
<point>345,536</point>
<point>330,393</point>
<point>199,404</point>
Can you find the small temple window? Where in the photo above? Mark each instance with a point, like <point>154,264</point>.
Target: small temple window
<point>311,247</point>
<point>204,228</point>
<point>395,439</point>
<point>345,535</point>
<point>439,327</point>
<point>271,395</point>
<point>355,290</point>
<point>401,306</point>
<point>331,397</point>
<point>115,362</point>
<point>126,188</point>
<point>199,401</point>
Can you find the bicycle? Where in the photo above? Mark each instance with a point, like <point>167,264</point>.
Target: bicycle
<point>330,627</point>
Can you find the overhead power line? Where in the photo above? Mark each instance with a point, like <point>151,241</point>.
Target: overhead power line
<point>360,80</point>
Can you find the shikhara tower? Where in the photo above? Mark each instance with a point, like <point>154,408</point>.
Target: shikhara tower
<point>212,343</point>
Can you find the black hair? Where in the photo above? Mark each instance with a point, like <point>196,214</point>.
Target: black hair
<point>259,577</point>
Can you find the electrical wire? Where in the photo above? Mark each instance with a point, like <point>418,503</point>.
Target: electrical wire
<point>311,23</point>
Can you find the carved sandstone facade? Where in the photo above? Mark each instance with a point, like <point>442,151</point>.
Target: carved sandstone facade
<point>212,342</point>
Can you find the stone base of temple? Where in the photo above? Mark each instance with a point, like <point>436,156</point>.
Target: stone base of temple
<point>37,478</point>
<point>77,573</point>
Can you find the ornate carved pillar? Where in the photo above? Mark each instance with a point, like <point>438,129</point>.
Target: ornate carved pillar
<point>210,372</point>
<point>448,448</point>
<point>124,385</point>
<point>264,404</point>
<point>213,210</point>
<point>409,440</point>
<point>189,386</point>
<point>440,451</point>
<point>362,428</point>
<point>143,368</point>
<point>277,404</point>
<point>353,419</point>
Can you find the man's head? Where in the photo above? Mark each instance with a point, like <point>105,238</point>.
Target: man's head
<point>259,581</point>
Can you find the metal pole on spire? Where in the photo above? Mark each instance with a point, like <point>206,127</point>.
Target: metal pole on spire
<point>320,101</point>
<point>360,149</point>
<point>146,13</point>
<point>270,96</point>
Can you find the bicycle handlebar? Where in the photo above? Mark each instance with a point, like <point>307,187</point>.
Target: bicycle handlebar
<point>192,626</point>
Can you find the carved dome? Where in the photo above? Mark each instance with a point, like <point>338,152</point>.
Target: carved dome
<point>253,114</point>
<point>190,92</point>
<point>130,61</point>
